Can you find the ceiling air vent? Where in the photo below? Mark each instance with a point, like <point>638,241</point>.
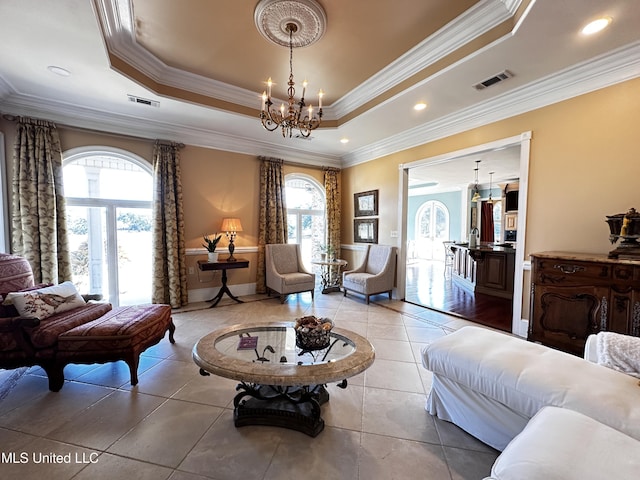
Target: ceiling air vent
<point>493,80</point>
<point>143,101</point>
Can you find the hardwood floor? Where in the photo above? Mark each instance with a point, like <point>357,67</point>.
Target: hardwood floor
<point>429,285</point>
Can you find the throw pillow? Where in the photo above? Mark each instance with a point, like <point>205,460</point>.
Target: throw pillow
<point>8,310</point>
<point>44,302</point>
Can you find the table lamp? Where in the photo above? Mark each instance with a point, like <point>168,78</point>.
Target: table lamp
<point>231,226</point>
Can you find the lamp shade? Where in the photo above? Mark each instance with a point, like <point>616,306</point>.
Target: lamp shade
<point>231,225</point>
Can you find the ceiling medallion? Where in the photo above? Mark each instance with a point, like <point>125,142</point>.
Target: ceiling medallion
<point>293,24</point>
<point>273,16</point>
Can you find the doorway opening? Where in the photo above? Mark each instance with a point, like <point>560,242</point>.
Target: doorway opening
<point>449,179</point>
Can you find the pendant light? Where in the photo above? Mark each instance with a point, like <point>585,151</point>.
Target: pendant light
<point>476,194</point>
<point>490,187</point>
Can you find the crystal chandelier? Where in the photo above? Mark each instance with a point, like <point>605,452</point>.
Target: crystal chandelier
<point>293,115</point>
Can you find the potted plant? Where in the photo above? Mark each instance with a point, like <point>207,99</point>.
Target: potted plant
<point>210,243</point>
<point>328,253</point>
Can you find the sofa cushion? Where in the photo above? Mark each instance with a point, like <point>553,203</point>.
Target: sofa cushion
<point>44,302</point>
<point>123,328</point>
<point>562,444</point>
<point>46,334</point>
<point>525,377</point>
<point>356,278</point>
<point>297,278</point>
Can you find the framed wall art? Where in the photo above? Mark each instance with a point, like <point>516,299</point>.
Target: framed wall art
<point>365,230</point>
<point>365,204</point>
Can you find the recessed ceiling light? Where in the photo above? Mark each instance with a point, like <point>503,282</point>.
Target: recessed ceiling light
<point>420,106</point>
<point>63,72</point>
<point>596,26</point>
<point>344,140</point>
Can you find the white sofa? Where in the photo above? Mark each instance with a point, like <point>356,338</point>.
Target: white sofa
<point>561,444</point>
<point>491,384</point>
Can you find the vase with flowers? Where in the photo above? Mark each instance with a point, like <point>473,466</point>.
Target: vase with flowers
<point>210,243</point>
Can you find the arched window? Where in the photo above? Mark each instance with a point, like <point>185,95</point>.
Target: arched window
<point>109,195</point>
<point>305,215</point>
<point>432,228</point>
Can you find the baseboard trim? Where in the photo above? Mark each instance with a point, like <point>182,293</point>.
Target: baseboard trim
<point>204,294</point>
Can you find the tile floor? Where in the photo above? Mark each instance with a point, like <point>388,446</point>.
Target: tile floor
<point>178,425</point>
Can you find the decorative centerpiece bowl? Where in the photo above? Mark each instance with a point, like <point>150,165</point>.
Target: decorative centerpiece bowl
<point>312,333</point>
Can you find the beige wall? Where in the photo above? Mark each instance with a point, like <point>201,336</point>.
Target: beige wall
<point>584,165</point>
<point>216,184</point>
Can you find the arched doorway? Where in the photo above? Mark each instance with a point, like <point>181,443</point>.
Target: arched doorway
<point>306,206</point>
<point>109,195</point>
<point>431,230</point>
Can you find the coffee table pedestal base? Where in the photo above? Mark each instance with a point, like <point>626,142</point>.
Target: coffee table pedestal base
<point>296,408</point>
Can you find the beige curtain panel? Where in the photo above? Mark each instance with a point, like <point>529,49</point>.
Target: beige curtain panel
<point>333,211</point>
<point>39,230</point>
<point>272,217</point>
<point>169,268</point>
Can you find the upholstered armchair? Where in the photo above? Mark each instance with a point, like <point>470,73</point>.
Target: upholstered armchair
<point>285,272</point>
<point>375,275</point>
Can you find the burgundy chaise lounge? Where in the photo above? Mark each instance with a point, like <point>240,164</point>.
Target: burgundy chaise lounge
<point>90,333</point>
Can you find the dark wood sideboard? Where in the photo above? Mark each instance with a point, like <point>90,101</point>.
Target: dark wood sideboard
<point>574,295</point>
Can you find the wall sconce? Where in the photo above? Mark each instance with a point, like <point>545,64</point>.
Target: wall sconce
<point>231,226</point>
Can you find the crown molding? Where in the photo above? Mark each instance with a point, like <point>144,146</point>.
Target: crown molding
<point>5,88</point>
<point>99,120</point>
<point>116,17</point>
<point>609,69</point>
<point>476,21</point>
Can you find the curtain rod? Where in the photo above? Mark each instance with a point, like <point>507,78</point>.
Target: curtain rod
<point>14,118</point>
<point>298,164</point>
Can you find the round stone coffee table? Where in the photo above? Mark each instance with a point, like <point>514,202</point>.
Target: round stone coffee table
<point>285,384</point>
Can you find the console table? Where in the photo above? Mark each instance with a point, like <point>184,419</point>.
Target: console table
<point>223,265</point>
<point>577,294</point>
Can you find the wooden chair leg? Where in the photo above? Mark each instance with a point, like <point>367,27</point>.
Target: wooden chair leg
<point>55,374</point>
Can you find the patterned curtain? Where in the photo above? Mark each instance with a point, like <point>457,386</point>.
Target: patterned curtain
<point>332,220</point>
<point>169,268</point>
<point>39,230</point>
<point>272,218</point>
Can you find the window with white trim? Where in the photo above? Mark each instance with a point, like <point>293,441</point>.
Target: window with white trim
<point>109,195</point>
<point>305,215</point>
